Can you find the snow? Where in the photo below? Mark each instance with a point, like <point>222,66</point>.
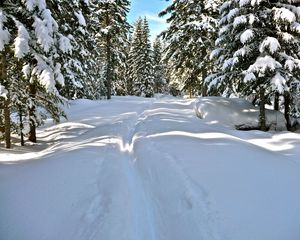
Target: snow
<point>232,13</point>
<point>239,20</point>
<point>243,2</point>
<point>3,91</point>
<point>21,41</point>
<point>44,29</point>
<point>262,64</point>
<point>284,14</point>
<point>81,19</point>
<point>271,43</point>
<point>249,76</point>
<point>246,36</point>
<point>4,34</point>
<point>279,83</point>
<point>134,168</point>
<point>65,44</point>
<point>232,112</point>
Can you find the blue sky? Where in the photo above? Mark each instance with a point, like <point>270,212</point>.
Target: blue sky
<point>150,9</point>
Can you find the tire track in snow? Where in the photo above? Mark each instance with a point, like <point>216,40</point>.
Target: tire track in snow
<point>100,212</point>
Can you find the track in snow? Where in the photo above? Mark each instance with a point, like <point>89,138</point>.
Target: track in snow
<point>133,168</point>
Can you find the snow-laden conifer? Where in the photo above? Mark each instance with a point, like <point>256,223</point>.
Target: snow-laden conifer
<point>258,50</point>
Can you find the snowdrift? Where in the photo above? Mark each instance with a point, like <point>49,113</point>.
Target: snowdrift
<point>236,113</point>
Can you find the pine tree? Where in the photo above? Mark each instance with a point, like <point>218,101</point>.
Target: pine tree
<point>258,50</point>
<point>112,34</point>
<point>31,37</point>
<point>159,68</point>
<point>190,39</point>
<point>140,61</point>
<point>73,44</point>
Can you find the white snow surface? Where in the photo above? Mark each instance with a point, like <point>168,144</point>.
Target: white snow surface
<point>134,168</point>
<point>232,112</point>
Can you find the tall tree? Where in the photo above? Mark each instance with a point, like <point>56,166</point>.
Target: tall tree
<point>190,39</point>
<point>29,29</point>
<point>112,35</point>
<point>258,50</point>
<point>140,60</point>
<point>159,67</point>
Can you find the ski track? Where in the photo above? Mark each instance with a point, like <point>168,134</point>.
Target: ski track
<point>144,208</point>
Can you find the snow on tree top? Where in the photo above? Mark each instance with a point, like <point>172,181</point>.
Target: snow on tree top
<point>243,2</point>
<point>31,4</point>
<point>284,14</point>
<point>286,36</point>
<point>279,83</point>
<point>249,76</point>
<point>246,36</point>
<point>262,64</point>
<point>239,20</point>
<point>4,34</point>
<point>65,44</point>
<point>271,43</point>
<point>3,91</point>
<point>21,41</point>
<point>232,13</point>
<point>80,17</point>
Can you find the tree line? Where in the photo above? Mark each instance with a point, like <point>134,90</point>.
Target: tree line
<point>55,50</point>
<point>241,48</point>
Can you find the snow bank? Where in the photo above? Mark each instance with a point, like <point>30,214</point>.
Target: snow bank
<point>233,112</point>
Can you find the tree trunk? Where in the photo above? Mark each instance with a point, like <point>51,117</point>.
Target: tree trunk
<point>204,86</point>
<point>262,110</point>
<point>276,101</point>
<point>287,102</point>
<point>32,132</point>
<point>108,57</point>
<point>190,92</point>
<point>7,123</point>
<point>21,126</point>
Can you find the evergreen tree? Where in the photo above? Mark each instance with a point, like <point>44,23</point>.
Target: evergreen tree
<point>140,61</point>
<point>258,50</point>
<point>112,35</point>
<point>190,39</point>
<point>159,68</point>
<point>74,47</point>
<point>29,39</point>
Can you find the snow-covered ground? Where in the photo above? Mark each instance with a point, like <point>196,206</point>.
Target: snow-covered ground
<point>138,169</point>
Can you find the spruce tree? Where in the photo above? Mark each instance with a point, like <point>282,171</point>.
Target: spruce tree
<point>30,41</point>
<point>140,61</point>
<point>158,67</point>
<point>258,50</point>
<point>189,40</point>
<point>112,34</point>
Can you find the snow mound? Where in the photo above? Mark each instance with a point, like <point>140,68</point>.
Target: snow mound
<point>236,112</point>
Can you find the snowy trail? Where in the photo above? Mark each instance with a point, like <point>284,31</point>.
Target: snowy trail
<point>135,168</point>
